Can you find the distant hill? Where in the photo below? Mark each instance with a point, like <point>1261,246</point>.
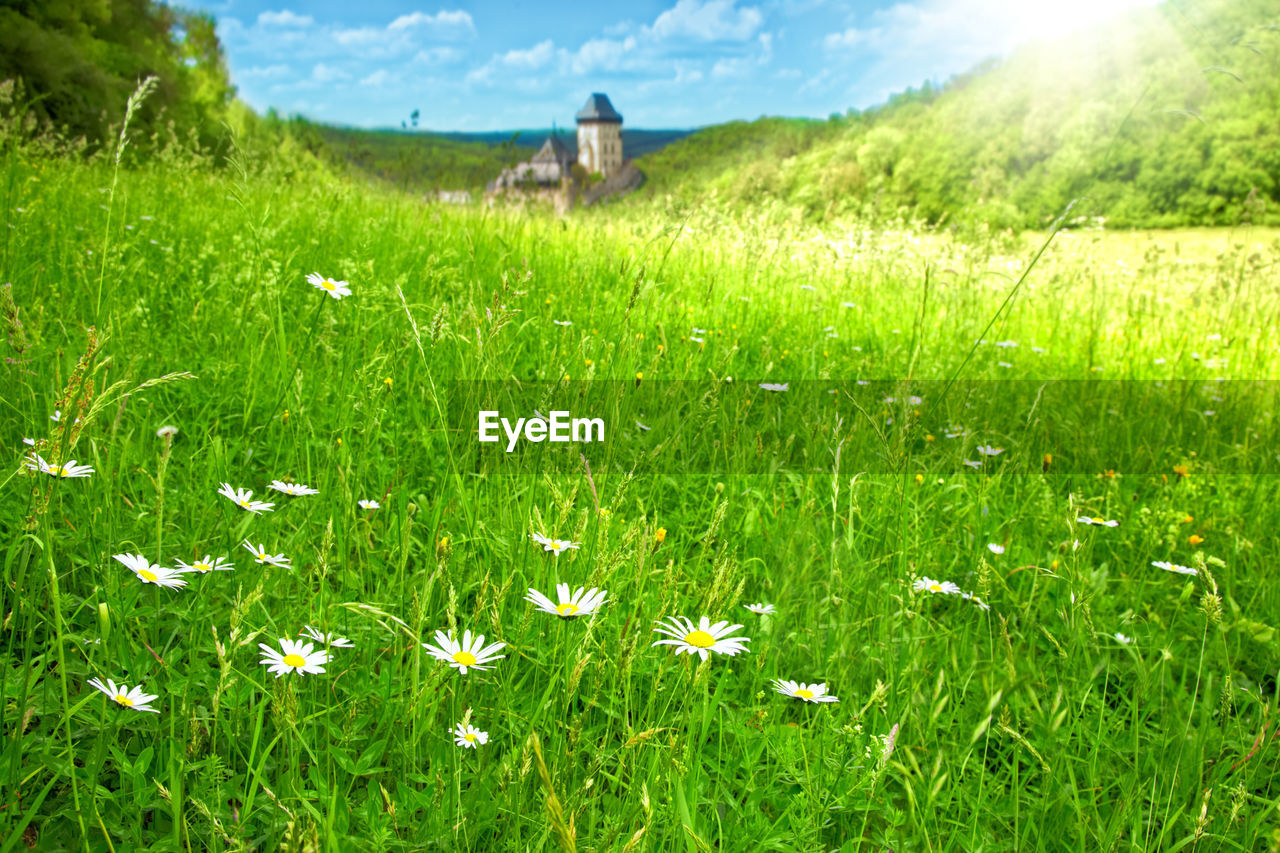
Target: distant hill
<point>635,142</point>
<point>1167,116</point>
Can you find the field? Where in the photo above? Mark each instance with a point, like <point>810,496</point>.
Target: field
<point>1074,697</point>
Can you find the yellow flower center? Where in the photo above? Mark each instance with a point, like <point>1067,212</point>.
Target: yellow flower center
<point>57,471</point>
<point>328,285</point>
<point>294,661</point>
<point>244,504</point>
<point>567,609</point>
<point>124,700</point>
<point>202,567</point>
<point>469,736</point>
<point>1097,520</point>
<point>147,575</point>
<point>803,693</point>
<point>465,658</point>
<point>935,587</point>
<point>557,546</point>
<point>701,639</point>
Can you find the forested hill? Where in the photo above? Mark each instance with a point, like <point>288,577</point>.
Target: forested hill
<point>1168,116</point>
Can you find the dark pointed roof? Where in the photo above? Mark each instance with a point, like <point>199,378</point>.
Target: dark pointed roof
<point>598,108</point>
<point>553,151</point>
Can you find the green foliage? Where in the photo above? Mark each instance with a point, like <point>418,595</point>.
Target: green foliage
<point>1165,117</point>
<point>79,61</point>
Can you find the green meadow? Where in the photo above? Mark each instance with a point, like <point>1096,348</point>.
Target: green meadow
<point>1074,696</point>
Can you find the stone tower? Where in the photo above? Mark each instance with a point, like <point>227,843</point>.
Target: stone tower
<point>600,136</point>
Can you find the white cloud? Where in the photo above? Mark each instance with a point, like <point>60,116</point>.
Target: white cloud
<point>284,18</point>
<point>535,57</point>
<point>264,72</point>
<point>377,79</point>
<point>322,73</point>
<point>442,20</point>
<point>437,55</point>
<point>713,20</point>
<point>601,55</point>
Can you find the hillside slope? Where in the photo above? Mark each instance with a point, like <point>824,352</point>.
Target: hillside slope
<point>1168,116</point>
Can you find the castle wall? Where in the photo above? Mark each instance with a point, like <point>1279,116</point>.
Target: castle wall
<point>600,147</point>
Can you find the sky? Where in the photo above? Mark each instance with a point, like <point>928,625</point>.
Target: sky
<point>480,66</point>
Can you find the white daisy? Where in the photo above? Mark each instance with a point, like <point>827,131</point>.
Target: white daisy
<point>259,552</point>
<point>31,442</point>
<point>133,699</point>
<point>336,289</point>
<point>301,658</point>
<point>147,573</point>
<point>166,432</point>
<point>468,736</point>
<point>563,322</point>
<point>332,640</point>
<point>583,602</point>
<point>805,692</point>
<point>292,488</point>
<point>760,609</point>
<point>702,638</point>
<point>71,469</point>
<point>988,450</point>
<point>1121,638</point>
<point>555,546</point>
<point>973,463</point>
<point>472,653</point>
<point>982,605</point>
<point>994,548</point>
<point>208,564</point>
<point>1091,520</point>
<point>1174,567</point>
<point>774,386</point>
<point>243,498</point>
<point>368,504</point>
<point>56,416</point>
<point>927,584</point>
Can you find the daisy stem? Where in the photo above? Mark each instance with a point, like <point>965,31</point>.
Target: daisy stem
<point>56,603</point>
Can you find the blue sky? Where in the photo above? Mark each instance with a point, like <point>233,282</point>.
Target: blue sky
<point>664,63</point>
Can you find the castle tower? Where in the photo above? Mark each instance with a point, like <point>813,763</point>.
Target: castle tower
<point>600,136</point>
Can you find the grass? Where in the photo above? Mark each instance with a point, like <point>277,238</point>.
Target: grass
<point>1029,726</point>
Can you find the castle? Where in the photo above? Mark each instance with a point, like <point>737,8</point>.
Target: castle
<point>599,150</point>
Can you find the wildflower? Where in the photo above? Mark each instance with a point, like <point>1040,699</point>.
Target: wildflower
<point>973,463</point>
<point>332,640</point>
<point>1121,638</point>
<point>697,340</point>
<point>982,605</point>
<point>243,498</point>
<point>134,699</point>
<point>29,442</point>
<point>806,692</point>
<point>988,450</point>
<point>292,488</point>
<point>166,432</point>
<point>994,548</point>
<point>259,552</point>
<point>1091,520</point>
<point>208,564</point>
<point>1195,539</point>
<point>301,658</point>
<point>472,653</point>
<point>147,573</point>
<point>1006,344</point>
<point>468,736</point>
<point>760,609</point>
<point>919,479</point>
<point>563,322</point>
<point>369,504</point>
<point>1174,567</point>
<point>56,417</point>
<point>578,604</point>
<point>774,386</point>
<point>555,546</point>
<point>703,638</point>
<point>336,289</point>
<point>927,584</point>
<point>660,535</point>
<point>71,469</point>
